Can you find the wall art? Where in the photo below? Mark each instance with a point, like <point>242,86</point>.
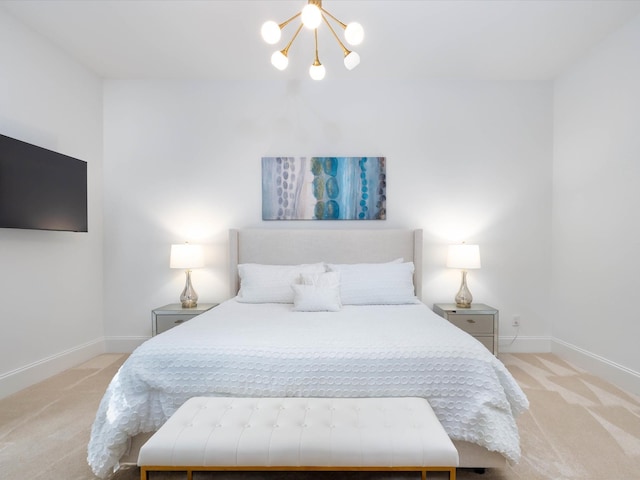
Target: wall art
<point>324,188</point>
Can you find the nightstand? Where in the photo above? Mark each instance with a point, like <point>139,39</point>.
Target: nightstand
<point>164,318</point>
<point>480,321</point>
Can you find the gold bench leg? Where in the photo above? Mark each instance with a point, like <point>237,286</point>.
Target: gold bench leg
<point>451,470</point>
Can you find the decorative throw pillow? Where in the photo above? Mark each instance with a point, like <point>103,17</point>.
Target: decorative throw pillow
<point>376,284</point>
<point>313,298</point>
<point>271,283</point>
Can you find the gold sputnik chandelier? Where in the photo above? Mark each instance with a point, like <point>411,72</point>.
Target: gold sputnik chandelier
<point>312,15</point>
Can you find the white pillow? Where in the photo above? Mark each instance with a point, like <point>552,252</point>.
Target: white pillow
<point>271,283</point>
<point>313,298</point>
<point>376,284</point>
<point>327,279</point>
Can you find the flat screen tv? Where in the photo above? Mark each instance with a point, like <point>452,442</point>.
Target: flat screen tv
<point>41,189</point>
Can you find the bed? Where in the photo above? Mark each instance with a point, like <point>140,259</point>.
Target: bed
<point>380,341</point>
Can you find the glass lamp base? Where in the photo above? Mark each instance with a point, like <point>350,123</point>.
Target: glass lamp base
<point>464,297</point>
<point>188,297</point>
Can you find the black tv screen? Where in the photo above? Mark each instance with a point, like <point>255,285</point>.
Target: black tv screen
<point>41,189</point>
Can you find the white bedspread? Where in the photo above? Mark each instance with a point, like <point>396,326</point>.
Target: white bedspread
<point>268,350</point>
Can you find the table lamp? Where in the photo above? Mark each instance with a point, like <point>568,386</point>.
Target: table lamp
<point>464,257</point>
<point>187,256</point>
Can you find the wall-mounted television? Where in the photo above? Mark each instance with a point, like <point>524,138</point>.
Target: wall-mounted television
<point>41,189</point>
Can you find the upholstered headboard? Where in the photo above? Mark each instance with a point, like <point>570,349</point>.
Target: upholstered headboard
<point>292,247</point>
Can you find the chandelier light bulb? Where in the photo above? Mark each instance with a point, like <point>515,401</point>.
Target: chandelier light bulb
<point>311,16</point>
<point>354,33</point>
<point>279,60</point>
<point>352,60</point>
<point>271,32</point>
<point>317,71</point>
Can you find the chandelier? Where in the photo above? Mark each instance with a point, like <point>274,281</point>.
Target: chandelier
<point>312,15</point>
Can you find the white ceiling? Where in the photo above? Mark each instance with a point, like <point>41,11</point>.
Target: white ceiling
<point>220,39</point>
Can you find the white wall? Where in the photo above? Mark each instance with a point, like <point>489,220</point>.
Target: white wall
<point>50,282</point>
<point>541,175</point>
<point>467,160</point>
<point>596,202</point>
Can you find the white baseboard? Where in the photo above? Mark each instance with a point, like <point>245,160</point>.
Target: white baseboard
<point>23,377</point>
<point>619,375</point>
<point>124,344</point>
<point>524,344</point>
<point>623,377</point>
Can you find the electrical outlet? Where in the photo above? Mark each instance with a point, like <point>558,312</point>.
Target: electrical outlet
<point>516,321</point>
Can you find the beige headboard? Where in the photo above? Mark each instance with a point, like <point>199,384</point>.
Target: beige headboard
<point>292,247</point>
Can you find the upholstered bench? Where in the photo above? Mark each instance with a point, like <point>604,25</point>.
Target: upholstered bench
<point>332,434</point>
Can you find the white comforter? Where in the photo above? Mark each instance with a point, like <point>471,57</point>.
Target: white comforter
<point>269,350</point>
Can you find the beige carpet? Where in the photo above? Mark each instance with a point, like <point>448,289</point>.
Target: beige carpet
<point>579,427</point>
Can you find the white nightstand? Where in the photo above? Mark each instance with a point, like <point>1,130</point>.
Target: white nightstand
<point>480,321</point>
<point>169,316</point>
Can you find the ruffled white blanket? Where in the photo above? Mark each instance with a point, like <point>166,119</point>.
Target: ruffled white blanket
<point>268,350</point>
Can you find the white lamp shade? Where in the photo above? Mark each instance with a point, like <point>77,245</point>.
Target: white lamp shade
<point>279,60</point>
<point>354,33</point>
<point>463,256</point>
<point>352,60</point>
<point>186,256</point>
<point>317,72</point>
<point>271,32</point>
<point>311,16</point>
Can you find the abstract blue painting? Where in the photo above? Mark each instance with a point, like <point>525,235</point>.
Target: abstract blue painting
<point>324,188</point>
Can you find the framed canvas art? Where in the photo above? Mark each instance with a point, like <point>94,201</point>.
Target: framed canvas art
<point>324,188</point>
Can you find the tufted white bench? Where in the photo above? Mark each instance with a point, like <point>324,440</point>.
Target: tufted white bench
<point>332,434</point>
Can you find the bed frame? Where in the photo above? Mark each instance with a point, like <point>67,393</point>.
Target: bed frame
<point>291,247</point>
